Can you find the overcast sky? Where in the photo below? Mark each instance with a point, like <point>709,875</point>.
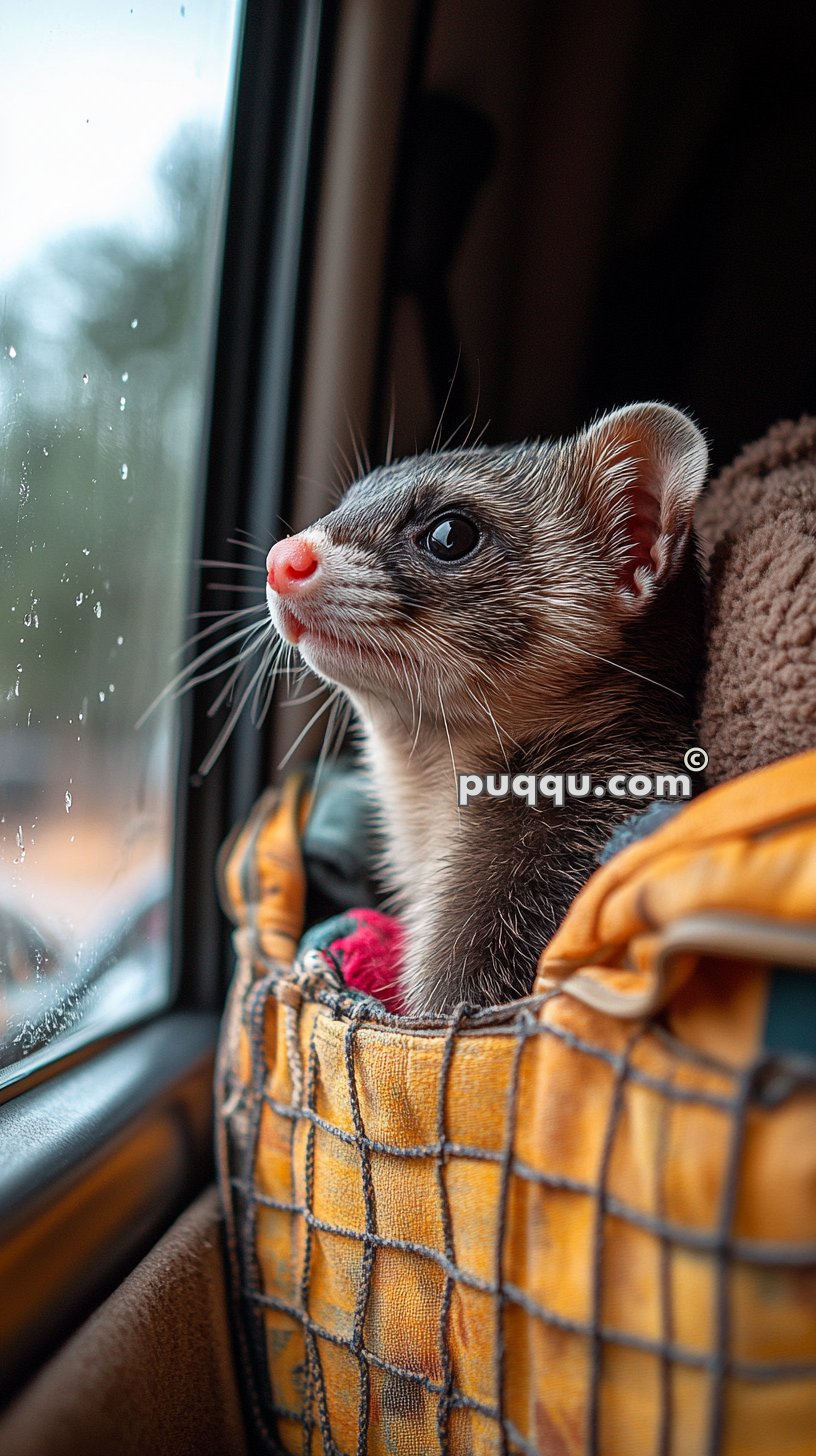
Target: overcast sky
<point>91,92</point>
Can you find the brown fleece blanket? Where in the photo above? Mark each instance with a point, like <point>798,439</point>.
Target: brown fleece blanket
<point>757,526</point>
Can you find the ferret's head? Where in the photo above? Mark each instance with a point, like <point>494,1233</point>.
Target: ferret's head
<point>491,581</point>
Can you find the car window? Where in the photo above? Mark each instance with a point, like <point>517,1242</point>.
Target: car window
<point>116,122</point>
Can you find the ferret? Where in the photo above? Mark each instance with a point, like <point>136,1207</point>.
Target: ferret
<point>532,608</point>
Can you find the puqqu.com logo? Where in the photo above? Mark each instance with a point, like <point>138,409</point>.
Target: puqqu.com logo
<point>559,788</point>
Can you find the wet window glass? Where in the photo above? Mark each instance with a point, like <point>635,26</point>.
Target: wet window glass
<point>116,127</point>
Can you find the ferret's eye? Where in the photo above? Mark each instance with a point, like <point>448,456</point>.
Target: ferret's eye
<point>451,538</point>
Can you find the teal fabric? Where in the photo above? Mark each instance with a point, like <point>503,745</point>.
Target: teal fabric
<point>790,1023</point>
<point>637,826</point>
<point>339,842</point>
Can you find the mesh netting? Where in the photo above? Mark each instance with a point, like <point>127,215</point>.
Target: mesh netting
<point>532,1230</point>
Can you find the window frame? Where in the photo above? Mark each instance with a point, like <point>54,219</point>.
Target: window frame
<point>255,378</point>
<point>64,1115</point>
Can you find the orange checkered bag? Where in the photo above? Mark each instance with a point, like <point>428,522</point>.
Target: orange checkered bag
<point>581,1223</point>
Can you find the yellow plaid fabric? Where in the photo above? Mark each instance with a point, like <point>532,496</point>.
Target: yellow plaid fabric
<point>585,1222</point>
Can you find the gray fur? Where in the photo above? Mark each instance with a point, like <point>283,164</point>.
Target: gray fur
<point>554,647</point>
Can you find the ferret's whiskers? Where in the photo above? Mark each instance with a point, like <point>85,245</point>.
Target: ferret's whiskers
<point>249,650</point>
<point>359,448</point>
<point>302,734</point>
<point>203,677</point>
<point>291,659</point>
<point>416,711</point>
<point>499,728</point>
<point>226,586</point>
<point>267,702</point>
<point>437,435</point>
<point>226,732</point>
<point>223,612</point>
<point>262,685</point>
<point>406,663</point>
<point>345,723</point>
<point>180,681</point>
<point>225,620</point>
<point>233,565</point>
<point>573,647</point>
<point>349,468</point>
<point>417,715</point>
<point>450,747</point>
<point>275,670</point>
<point>296,700</point>
<point>448,441</point>
<point>389,444</point>
<point>484,704</point>
<point>477,440</point>
<point>248,546</point>
<point>250,537</point>
<point>330,734</point>
<point>464,445</point>
<point>472,424</point>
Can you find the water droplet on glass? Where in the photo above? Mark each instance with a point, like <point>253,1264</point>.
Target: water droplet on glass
<point>86,551</point>
<point>123,471</point>
<point>101,697</point>
<point>45,450</point>
<point>84,379</point>
<point>119,641</point>
<point>80,598</point>
<point>97,609</point>
<point>69,799</point>
<point>134,323</point>
<point>122,401</point>
<point>20,846</point>
<point>12,352</point>
<point>111,688</point>
<point>125,377</point>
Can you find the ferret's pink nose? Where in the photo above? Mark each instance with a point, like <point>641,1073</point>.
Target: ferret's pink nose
<point>289,563</point>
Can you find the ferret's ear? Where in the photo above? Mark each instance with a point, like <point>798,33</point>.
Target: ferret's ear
<point>641,471</point>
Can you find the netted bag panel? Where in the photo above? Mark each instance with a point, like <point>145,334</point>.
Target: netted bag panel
<point>444,1269</point>
<point>540,1229</point>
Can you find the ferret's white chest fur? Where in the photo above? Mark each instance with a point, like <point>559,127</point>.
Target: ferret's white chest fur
<point>415,787</point>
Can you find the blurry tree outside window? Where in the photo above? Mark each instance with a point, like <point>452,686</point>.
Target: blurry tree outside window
<point>116,124</point>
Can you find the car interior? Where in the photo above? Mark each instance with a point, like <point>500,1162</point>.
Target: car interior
<point>332,232</point>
